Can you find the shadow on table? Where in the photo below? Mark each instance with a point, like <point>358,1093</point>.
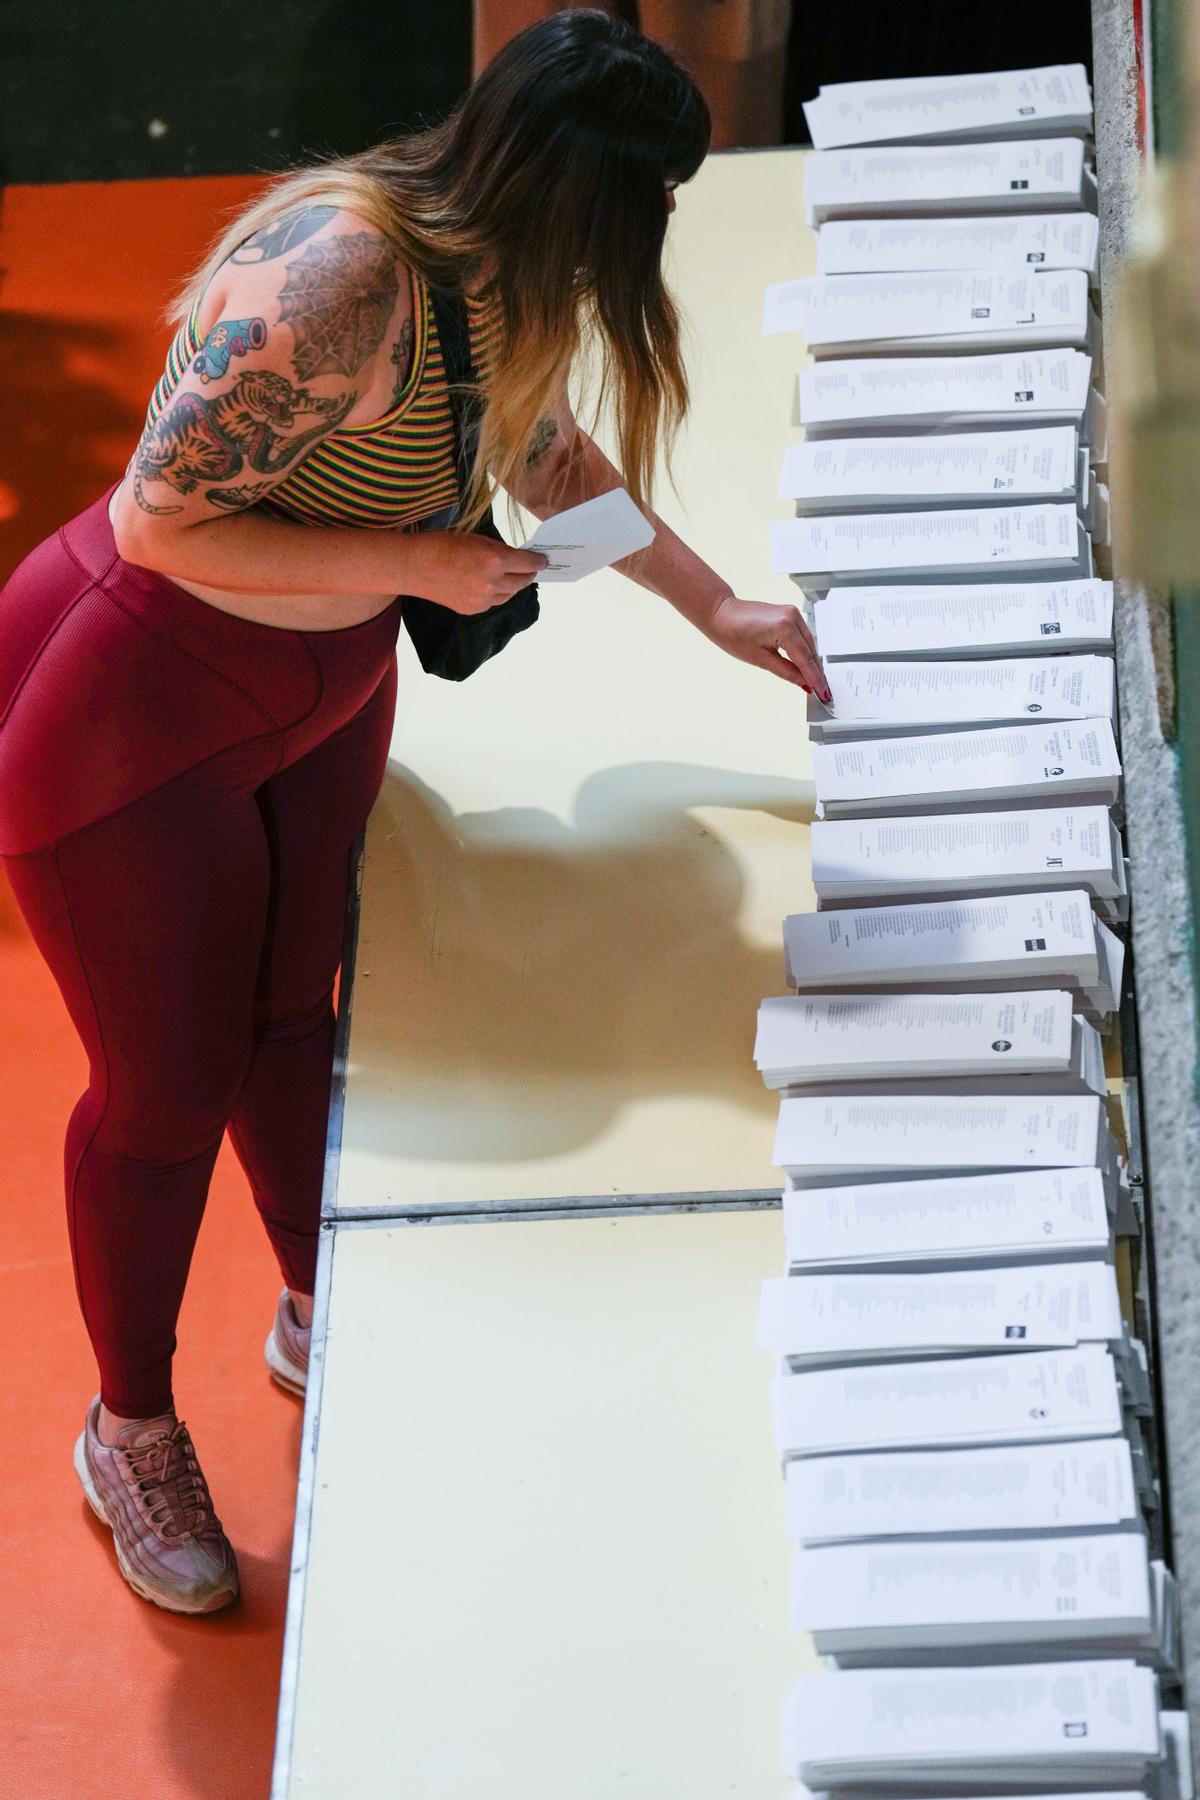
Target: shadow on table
<point>520,980</point>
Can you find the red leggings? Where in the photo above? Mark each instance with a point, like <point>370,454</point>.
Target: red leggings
<point>179,791</point>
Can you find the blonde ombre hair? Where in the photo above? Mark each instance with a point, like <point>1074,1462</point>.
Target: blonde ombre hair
<point>544,193</point>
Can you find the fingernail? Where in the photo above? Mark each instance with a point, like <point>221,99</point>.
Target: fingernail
<point>827,696</point>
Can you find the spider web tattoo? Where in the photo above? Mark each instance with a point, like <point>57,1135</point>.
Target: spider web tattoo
<point>339,298</point>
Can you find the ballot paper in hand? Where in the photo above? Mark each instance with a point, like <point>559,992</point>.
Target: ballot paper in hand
<point>590,536</point>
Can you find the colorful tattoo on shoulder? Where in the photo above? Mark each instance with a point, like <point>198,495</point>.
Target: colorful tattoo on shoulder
<point>250,428</point>
<point>277,239</point>
<point>227,339</point>
<point>339,298</point>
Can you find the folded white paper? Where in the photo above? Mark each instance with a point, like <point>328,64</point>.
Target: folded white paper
<point>848,1138</point>
<point>1014,387</point>
<point>1030,1487</point>
<point>1024,1215</point>
<point>1003,541</point>
<point>812,1320</point>
<point>976,310</point>
<point>976,1725</point>
<point>958,468</point>
<point>951,108</point>
<point>952,1402</point>
<point>877,699</point>
<point>947,769</point>
<point>943,1596</point>
<point>985,620</point>
<point>1066,240</point>
<point>590,536</point>
<point>1034,175</point>
<point>1045,847</point>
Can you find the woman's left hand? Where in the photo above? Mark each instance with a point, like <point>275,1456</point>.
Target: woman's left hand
<point>770,637</point>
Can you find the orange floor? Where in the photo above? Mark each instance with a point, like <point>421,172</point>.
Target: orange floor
<point>100,1691</point>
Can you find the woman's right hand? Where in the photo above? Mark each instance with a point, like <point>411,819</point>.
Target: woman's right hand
<point>466,571</point>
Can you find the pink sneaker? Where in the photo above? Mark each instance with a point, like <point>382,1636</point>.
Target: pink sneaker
<point>286,1348</point>
<point>148,1489</point>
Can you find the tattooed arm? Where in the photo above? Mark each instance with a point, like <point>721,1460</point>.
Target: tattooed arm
<point>304,329</point>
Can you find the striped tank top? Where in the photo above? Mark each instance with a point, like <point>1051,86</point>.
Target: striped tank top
<point>390,472</point>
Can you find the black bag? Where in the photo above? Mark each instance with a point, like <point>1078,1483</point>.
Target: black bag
<point>448,643</point>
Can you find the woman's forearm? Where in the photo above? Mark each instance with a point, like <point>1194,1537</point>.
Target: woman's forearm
<point>668,567</point>
<point>254,552</point>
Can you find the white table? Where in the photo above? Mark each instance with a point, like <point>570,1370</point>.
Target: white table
<point>540,1543</point>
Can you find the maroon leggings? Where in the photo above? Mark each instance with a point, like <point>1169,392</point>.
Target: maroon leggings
<point>179,792</point>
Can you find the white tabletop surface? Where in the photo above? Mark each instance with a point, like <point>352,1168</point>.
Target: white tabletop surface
<point>577,871</point>
<point>548,1552</point>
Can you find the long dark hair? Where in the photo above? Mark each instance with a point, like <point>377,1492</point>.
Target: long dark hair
<point>544,192</point>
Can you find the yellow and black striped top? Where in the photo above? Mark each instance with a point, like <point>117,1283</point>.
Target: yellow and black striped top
<point>390,472</point>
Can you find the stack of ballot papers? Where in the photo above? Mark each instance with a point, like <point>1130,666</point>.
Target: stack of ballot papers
<point>936,393</point>
<point>949,1402</point>
<point>1066,240</point>
<point>946,770</point>
<point>960,469</point>
<point>943,109</point>
<point>848,1137</point>
<point>1021,619</point>
<point>1032,940</point>
<point>952,1493</point>
<point>1049,174</point>
<point>1068,1594</point>
<point>893,697</point>
<point>1029,1724</point>
<point>815,1320</point>
<point>993,543</point>
<point>970,310</point>
<point>969,853</point>
<point>1023,1216</point>
<point>959,1042</point>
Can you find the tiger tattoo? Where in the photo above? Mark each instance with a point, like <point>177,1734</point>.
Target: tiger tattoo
<point>198,439</point>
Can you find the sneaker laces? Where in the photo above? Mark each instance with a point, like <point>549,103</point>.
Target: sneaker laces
<point>174,1491</point>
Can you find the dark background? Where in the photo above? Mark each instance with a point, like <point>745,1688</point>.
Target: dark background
<point>262,85</point>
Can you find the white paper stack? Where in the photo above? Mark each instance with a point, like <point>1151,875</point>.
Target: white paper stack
<point>1022,1216</point>
<point>910,1601</point>
<point>1030,1724</point>
<point>958,469</point>
<point>970,310</point>
<point>1021,619</point>
<point>931,1043</point>
<point>813,1321</point>
<point>993,543</point>
<point>1067,240</point>
<point>946,770</point>
<point>849,1137</point>
<point>968,853</point>
<point>1085,1485</point>
<point>1036,175</point>
<point>942,109</point>
<point>1033,940</point>
<point>939,393</point>
<point>949,1402</point>
<point>893,697</point>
